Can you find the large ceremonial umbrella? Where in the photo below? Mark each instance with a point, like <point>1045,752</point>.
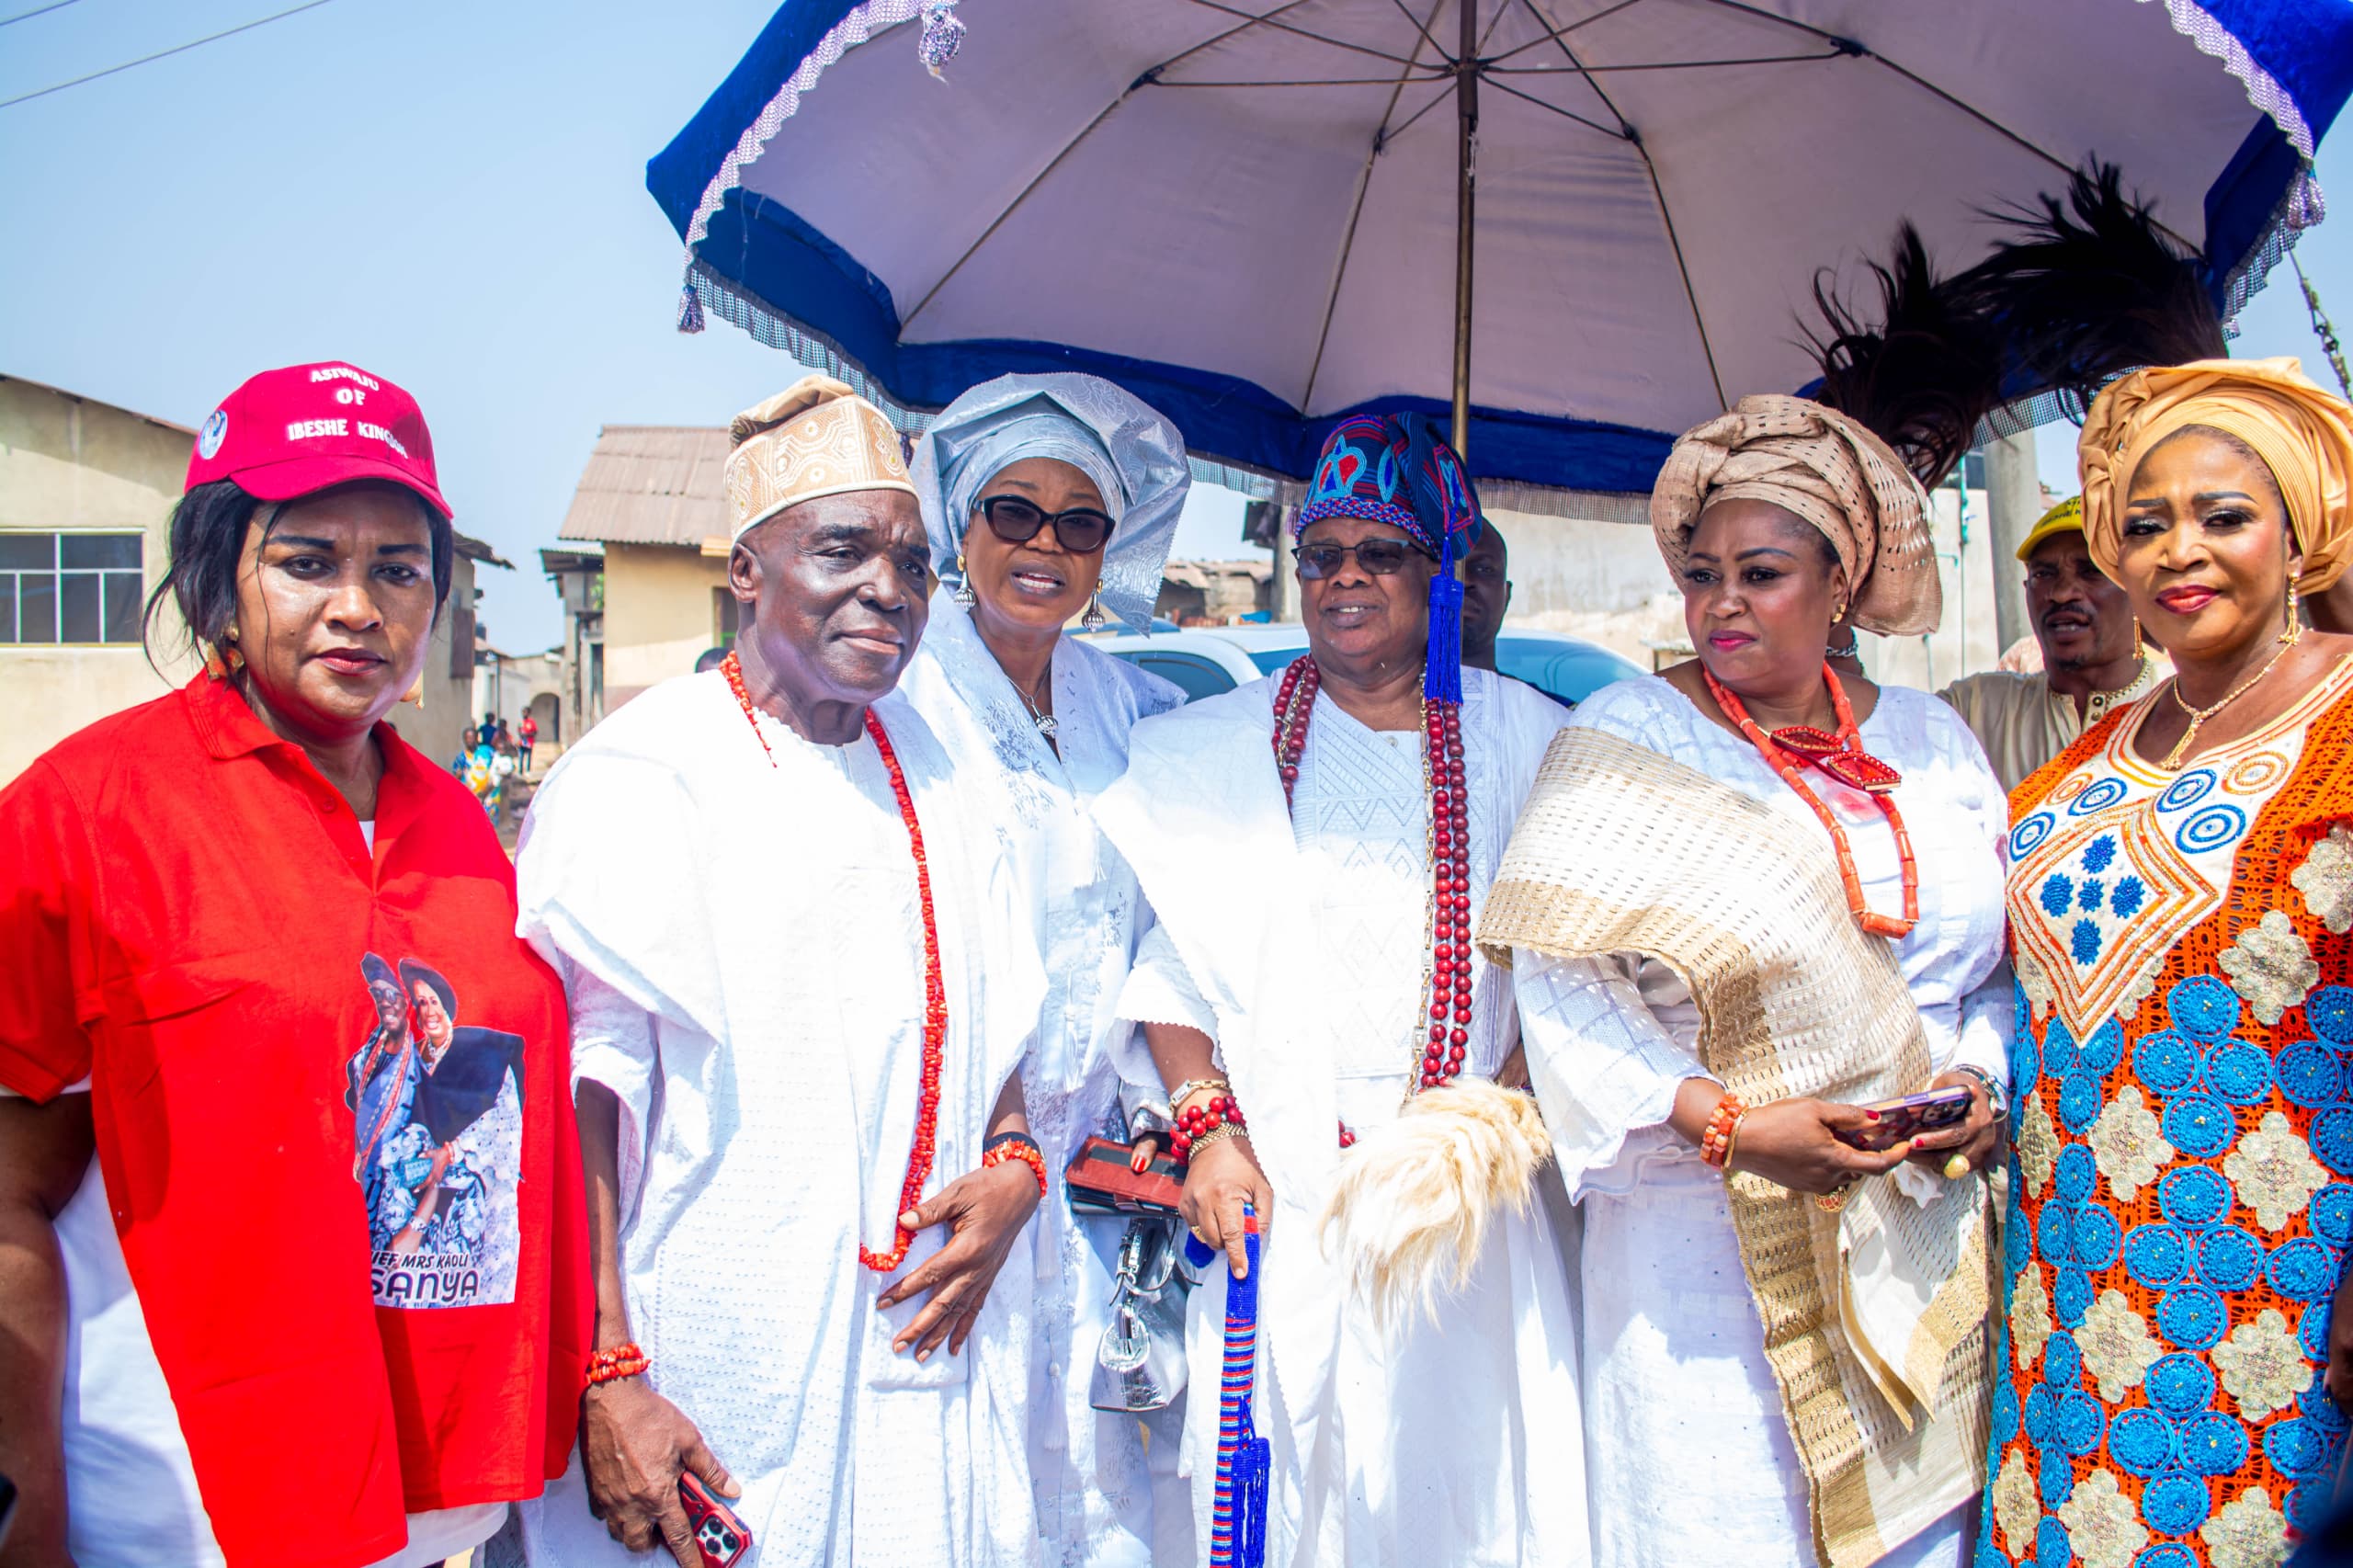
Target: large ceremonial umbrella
<point>1593,221</point>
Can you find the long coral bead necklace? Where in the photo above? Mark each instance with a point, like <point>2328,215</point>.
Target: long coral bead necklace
<point>935,989</point>
<point>1841,756</point>
<point>1445,946</point>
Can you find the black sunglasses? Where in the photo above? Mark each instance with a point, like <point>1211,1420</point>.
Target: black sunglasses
<point>1081,530</point>
<point>1380,557</point>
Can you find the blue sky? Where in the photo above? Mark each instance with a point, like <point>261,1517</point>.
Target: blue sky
<point>452,194</point>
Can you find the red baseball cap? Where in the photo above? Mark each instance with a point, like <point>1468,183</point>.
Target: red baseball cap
<point>290,433</point>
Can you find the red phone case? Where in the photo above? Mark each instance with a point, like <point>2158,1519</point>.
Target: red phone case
<point>719,1534</point>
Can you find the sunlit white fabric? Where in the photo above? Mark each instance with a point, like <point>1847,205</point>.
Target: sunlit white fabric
<point>1099,1492</point>
<point>1676,1382</point>
<point>744,958</point>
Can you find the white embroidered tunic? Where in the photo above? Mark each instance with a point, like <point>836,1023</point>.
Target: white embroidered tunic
<point>1098,1490</point>
<point>1298,941</point>
<point>743,949</point>
<point>1676,1381</point>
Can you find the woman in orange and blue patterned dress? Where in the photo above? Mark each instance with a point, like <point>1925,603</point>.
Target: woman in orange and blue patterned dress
<point>2181,900</point>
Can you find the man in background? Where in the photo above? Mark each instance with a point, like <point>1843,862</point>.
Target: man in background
<point>1487,595</point>
<point>2093,656</point>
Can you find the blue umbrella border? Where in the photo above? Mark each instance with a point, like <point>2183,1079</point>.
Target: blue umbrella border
<point>745,251</point>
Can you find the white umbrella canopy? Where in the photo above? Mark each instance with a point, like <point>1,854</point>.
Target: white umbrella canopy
<point>1246,210</point>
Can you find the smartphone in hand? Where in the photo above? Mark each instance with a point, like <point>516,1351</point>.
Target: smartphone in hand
<point>718,1533</point>
<point>1909,1116</point>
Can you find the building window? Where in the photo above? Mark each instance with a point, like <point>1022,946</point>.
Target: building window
<point>58,587</point>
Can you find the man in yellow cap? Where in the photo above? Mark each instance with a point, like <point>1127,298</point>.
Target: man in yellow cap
<point>801,987</point>
<point>2094,658</point>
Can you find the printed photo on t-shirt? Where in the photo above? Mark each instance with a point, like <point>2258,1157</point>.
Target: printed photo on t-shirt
<point>437,1111</point>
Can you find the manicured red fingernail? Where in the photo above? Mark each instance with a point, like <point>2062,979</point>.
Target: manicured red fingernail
<point>1870,1115</point>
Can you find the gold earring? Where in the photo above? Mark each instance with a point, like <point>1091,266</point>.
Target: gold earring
<point>221,659</point>
<point>416,692</point>
<point>2137,654</point>
<point>2295,627</point>
<point>963,594</point>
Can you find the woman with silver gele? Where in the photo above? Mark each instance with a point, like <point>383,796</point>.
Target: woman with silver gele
<point>1051,499</point>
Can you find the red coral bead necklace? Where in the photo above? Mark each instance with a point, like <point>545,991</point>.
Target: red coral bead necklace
<point>935,988</point>
<point>1841,756</point>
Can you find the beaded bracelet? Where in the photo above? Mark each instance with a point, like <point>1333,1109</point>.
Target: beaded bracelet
<point>1723,1124</point>
<point>1195,1123</point>
<point>1224,1131</point>
<point>621,1361</point>
<point>1024,1150</point>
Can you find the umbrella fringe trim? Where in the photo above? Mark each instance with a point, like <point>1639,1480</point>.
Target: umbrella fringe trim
<point>721,298</point>
<point>862,24</point>
<point>2194,22</point>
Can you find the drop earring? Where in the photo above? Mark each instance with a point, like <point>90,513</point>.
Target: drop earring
<point>2295,627</point>
<point>1094,619</point>
<point>963,594</point>
<point>416,692</point>
<point>221,659</point>
<point>2138,655</point>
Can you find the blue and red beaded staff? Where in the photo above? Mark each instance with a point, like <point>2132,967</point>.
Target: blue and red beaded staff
<point>1238,1503</point>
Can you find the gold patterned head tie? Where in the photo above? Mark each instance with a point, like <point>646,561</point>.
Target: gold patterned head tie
<point>1821,466</point>
<point>815,437</point>
<point>2302,432</point>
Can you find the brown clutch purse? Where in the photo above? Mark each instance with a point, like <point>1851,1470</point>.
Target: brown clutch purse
<point>1100,1181</point>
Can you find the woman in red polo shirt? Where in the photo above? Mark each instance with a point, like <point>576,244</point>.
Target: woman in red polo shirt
<point>320,1301</point>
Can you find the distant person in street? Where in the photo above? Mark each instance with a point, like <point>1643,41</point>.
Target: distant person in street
<point>236,926</point>
<point>710,659</point>
<point>528,733</point>
<point>1486,595</point>
<point>2093,657</point>
<point>806,1148</point>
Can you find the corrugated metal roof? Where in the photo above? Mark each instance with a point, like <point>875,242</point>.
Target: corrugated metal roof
<point>651,484</point>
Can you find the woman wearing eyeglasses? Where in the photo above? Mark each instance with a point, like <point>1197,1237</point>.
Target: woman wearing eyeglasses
<point>1049,499</point>
<point>1317,846</point>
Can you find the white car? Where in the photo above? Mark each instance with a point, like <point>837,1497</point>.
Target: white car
<point>1206,660</point>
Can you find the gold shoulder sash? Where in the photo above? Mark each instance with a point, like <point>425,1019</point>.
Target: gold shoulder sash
<point>1875,1318</point>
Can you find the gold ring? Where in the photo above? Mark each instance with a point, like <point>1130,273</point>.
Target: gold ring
<point>1831,1202</point>
<point>1957,1167</point>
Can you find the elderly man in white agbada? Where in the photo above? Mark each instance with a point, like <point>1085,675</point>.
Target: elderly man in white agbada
<point>802,984</point>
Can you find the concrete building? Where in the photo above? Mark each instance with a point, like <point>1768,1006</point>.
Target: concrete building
<point>87,493</point>
<point>579,579</point>
<point>1214,593</point>
<point>511,685</point>
<point>652,498</point>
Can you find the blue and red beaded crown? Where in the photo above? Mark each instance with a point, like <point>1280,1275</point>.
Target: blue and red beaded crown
<point>1393,469</point>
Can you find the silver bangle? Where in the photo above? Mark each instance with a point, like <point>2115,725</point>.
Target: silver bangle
<point>1997,1096</point>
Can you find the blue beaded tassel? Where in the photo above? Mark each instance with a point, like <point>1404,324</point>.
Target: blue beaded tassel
<point>1442,675</point>
<point>1244,1460</point>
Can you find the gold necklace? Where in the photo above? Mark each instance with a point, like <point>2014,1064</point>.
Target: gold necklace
<point>2200,715</point>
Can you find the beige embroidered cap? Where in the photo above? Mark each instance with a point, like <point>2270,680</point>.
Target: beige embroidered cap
<point>815,437</point>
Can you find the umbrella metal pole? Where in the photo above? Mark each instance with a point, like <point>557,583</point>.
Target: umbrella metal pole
<point>1466,108</point>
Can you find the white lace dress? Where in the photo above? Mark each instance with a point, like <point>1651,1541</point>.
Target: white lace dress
<point>1677,1384</point>
<point>1093,1473</point>
<point>1448,1442</point>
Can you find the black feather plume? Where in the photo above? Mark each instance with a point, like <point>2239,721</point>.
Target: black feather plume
<point>1925,375</point>
<point>2089,288</point>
